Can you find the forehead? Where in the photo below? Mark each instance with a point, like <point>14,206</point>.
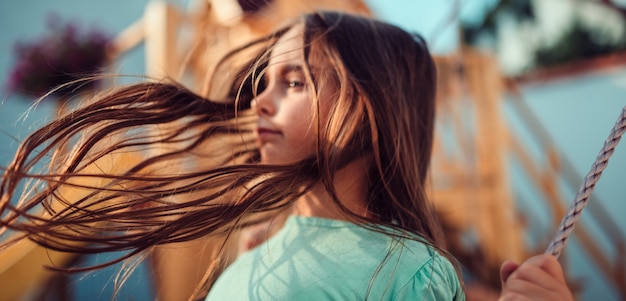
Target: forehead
<point>289,47</point>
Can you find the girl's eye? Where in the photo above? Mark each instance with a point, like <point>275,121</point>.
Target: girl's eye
<point>295,84</point>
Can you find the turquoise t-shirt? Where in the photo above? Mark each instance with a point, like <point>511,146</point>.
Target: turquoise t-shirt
<point>321,259</point>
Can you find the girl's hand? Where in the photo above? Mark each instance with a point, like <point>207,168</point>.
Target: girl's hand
<point>538,278</point>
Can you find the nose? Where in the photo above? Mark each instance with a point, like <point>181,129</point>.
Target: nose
<point>263,103</point>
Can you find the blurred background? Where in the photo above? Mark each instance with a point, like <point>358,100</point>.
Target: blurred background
<point>529,91</point>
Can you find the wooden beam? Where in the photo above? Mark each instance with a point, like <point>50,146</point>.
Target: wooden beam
<point>162,22</point>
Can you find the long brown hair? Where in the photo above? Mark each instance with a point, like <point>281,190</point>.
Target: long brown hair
<point>384,110</point>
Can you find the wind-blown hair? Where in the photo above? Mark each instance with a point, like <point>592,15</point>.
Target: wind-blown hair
<point>96,199</point>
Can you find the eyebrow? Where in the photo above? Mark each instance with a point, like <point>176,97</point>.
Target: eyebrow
<point>288,68</point>
<point>291,68</point>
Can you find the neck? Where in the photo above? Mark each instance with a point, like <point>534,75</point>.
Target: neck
<point>350,184</point>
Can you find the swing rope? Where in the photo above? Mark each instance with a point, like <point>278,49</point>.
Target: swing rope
<point>582,197</point>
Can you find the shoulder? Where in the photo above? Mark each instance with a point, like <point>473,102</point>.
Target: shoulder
<point>429,276</point>
<point>397,268</point>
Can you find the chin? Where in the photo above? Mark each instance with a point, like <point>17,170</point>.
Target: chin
<point>275,159</point>
<point>279,156</point>
<point>269,158</point>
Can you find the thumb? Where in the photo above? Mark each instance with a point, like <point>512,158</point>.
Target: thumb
<point>506,269</point>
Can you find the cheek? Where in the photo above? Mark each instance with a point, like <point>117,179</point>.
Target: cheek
<point>302,131</point>
<point>299,118</point>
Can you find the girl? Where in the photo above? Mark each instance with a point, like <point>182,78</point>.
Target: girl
<point>331,124</point>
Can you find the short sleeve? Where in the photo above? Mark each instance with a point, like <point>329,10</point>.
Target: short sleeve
<point>436,280</point>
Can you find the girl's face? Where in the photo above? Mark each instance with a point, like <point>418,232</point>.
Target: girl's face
<point>286,131</point>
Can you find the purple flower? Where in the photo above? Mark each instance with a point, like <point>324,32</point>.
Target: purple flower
<point>64,55</point>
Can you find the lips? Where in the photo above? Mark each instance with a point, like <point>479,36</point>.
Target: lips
<point>265,133</point>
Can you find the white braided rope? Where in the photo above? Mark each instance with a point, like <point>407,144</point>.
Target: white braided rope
<point>567,224</point>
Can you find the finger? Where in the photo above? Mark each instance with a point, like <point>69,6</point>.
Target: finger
<point>531,290</point>
<point>506,269</point>
<point>549,264</point>
<point>513,297</point>
<point>535,274</point>
<point>510,296</point>
<point>553,267</point>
